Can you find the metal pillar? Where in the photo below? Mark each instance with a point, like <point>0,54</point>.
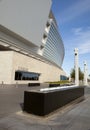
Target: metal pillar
<point>76,67</point>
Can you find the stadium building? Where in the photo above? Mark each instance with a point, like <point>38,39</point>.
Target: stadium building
<point>31,48</point>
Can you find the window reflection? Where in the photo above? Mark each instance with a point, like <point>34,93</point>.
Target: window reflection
<point>22,75</point>
<point>62,77</point>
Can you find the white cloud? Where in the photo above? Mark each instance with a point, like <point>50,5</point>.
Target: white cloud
<point>82,39</point>
<point>77,31</point>
<point>84,48</point>
<point>77,9</point>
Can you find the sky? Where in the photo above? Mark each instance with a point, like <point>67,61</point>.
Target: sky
<point>73,19</point>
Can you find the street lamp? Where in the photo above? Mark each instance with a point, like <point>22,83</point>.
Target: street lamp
<point>76,67</point>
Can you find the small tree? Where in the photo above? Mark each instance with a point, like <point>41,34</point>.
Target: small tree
<point>81,75</point>
<point>72,74</point>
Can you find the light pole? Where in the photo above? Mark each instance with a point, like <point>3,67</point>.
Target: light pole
<point>76,67</point>
<point>85,73</point>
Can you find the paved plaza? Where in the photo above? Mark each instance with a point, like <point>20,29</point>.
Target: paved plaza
<point>72,117</point>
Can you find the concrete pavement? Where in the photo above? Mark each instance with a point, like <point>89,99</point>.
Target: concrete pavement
<point>72,117</point>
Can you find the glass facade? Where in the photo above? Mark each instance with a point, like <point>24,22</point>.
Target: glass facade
<point>62,77</point>
<point>22,75</point>
<point>54,49</point>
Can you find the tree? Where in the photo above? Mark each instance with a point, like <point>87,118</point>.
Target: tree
<point>72,74</point>
<point>81,75</point>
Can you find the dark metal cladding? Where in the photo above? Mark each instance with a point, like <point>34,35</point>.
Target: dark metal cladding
<point>42,103</point>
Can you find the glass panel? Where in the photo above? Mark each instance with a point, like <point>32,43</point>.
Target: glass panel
<point>21,75</point>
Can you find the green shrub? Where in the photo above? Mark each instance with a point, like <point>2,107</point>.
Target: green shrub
<point>60,82</point>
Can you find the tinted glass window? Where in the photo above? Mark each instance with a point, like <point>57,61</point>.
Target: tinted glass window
<point>21,75</point>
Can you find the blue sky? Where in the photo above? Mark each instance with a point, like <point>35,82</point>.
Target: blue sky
<point>73,19</point>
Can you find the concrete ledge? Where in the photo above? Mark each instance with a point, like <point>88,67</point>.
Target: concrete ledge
<point>43,103</point>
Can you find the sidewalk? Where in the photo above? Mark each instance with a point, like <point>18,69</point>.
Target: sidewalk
<point>73,117</point>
